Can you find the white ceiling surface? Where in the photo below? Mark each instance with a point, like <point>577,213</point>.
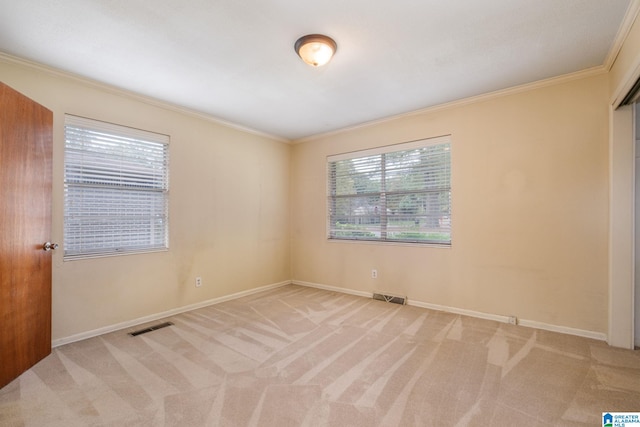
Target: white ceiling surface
<point>234,60</point>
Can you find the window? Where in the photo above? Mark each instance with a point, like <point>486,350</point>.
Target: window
<point>398,193</point>
<point>116,183</point>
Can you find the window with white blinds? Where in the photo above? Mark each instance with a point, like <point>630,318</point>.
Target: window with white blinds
<point>398,193</point>
<point>116,184</point>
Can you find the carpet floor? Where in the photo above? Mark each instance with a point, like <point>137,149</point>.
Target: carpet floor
<point>298,356</point>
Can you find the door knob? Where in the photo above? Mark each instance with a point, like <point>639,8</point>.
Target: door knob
<point>50,246</point>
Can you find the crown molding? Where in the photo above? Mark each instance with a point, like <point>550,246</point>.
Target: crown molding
<point>4,57</point>
<point>7,58</point>
<point>623,32</point>
<point>552,81</point>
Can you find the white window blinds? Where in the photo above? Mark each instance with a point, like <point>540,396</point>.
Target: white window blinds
<point>116,183</point>
<point>399,193</point>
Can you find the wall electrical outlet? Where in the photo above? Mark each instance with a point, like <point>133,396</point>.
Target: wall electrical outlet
<point>513,320</point>
<point>374,274</point>
<point>198,282</point>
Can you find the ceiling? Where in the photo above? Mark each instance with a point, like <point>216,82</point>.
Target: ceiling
<point>234,60</point>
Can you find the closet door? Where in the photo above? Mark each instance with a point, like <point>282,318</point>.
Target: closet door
<point>26,140</point>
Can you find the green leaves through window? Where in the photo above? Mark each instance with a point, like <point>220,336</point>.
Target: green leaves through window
<point>398,193</point>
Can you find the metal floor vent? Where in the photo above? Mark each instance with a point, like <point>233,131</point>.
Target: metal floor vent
<point>150,328</point>
<point>391,298</point>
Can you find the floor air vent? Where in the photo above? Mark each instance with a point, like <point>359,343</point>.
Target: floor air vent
<point>150,328</point>
<point>391,298</point>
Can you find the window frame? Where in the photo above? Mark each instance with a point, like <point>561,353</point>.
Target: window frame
<point>125,191</point>
<point>405,147</point>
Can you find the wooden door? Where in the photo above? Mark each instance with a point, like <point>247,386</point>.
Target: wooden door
<point>25,225</point>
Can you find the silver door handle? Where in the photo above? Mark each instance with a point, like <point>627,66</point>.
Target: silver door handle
<point>50,246</point>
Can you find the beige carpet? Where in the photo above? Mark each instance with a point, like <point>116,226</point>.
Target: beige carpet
<point>297,356</point>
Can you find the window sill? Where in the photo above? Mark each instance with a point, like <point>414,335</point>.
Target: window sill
<point>111,254</point>
<point>391,243</point>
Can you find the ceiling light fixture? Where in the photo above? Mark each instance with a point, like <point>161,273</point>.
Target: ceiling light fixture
<point>315,49</point>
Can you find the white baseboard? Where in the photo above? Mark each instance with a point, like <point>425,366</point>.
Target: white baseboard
<point>600,336</point>
<point>333,288</point>
<point>488,316</point>
<point>461,311</point>
<point>464,312</point>
<point>118,326</point>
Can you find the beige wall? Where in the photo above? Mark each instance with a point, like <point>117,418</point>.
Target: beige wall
<point>230,228</point>
<point>529,209</point>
